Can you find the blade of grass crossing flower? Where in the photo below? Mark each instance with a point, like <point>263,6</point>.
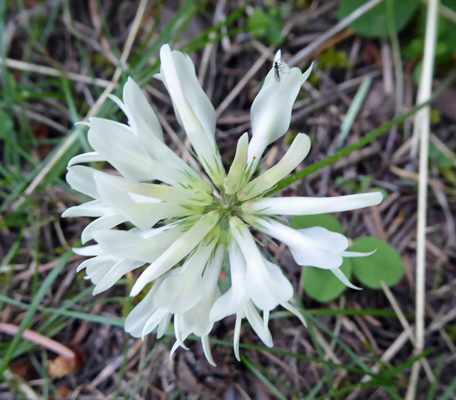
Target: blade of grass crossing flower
<point>27,320</point>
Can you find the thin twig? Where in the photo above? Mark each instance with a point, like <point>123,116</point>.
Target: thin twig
<point>49,71</point>
<point>423,120</point>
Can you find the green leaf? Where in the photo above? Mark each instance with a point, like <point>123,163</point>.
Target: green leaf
<point>323,285</point>
<point>258,23</point>
<point>267,25</point>
<point>384,265</point>
<point>307,221</point>
<point>374,23</point>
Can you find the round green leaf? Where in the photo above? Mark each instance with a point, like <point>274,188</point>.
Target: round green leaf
<point>374,23</point>
<point>323,285</point>
<point>384,265</point>
<point>307,221</point>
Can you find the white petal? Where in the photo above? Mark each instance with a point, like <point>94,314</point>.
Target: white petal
<point>269,288</point>
<point>117,144</point>
<point>179,333</point>
<point>357,254</point>
<point>193,109</point>
<point>140,115</point>
<point>103,223</point>
<point>207,350</point>
<point>157,318</point>
<point>178,250</point>
<point>155,191</point>
<point>86,158</point>
<point>236,337</point>
<point>93,250</point>
<point>235,298</point>
<point>113,274</point>
<point>294,311</point>
<point>292,158</point>
<point>264,281</point>
<point>340,275</point>
<point>96,267</point>
<point>239,165</point>
<point>256,322</point>
<point>143,215</point>
<point>90,209</point>
<point>131,245</point>
<point>316,246</point>
<point>312,205</point>
<point>183,287</point>
<point>271,109</point>
<point>163,325</point>
<point>197,319</point>
<point>138,317</point>
<point>146,127</point>
<point>80,178</point>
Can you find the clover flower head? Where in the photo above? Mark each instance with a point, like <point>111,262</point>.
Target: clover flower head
<point>184,231</point>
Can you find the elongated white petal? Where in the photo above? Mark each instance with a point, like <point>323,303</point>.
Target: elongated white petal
<point>93,250</point>
<point>102,223</point>
<point>316,246</point>
<point>145,317</point>
<point>196,320</point>
<point>146,127</point>
<point>131,245</point>
<point>265,282</point>
<point>143,214</point>
<point>292,158</point>
<point>340,275</point>
<point>236,336</point>
<point>138,317</point>
<point>238,167</point>
<point>116,143</point>
<point>113,274</point>
<point>156,319</point>
<point>312,205</point>
<point>256,322</point>
<point>85,158</point>
<point>179,291</point>
<point>163,325</point>
<point>154,191</point>
<point>182,288</point>
<point>178,250</point>
<point>271,109</point>
<point>235,298</point>
<point>193,109</point>
<point>207,350</point>
<point>140,115</point>
<point>90,209</point>
<point>288,306</point>
<point>357,254</point>
<point>80,178</point>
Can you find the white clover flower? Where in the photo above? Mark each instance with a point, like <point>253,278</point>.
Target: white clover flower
<point>186,231</point>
